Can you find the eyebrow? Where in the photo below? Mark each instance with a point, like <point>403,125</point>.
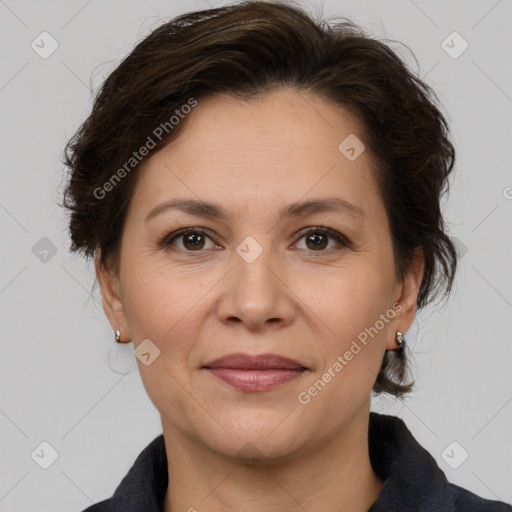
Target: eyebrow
<point>212,210</point>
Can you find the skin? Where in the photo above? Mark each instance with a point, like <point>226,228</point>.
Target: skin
<point>197,304</point>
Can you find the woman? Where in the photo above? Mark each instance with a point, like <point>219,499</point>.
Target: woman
<point>261,195</point>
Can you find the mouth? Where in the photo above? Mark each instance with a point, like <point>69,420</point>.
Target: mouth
<point>255,373</point>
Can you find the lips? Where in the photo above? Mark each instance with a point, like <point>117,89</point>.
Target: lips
<point>255,373</point>
<point>258,362</point>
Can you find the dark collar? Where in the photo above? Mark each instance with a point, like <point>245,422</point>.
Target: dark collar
<point>412,479</point>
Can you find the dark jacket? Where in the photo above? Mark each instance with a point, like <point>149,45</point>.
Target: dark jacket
<point>413,482</point>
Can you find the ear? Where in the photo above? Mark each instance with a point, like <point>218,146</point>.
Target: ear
<point>407,297</point>
<point>108,278</point>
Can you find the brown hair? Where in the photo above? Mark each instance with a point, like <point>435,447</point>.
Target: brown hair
<point>251,48</point>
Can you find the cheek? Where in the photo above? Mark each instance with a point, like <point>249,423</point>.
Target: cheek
<point>352,352</point>
<point>349,300</point>
<point>153,302</point>
<point>161,308</point>
<point>168,308</point>
<point>148,307</point>
<point>353,345</point>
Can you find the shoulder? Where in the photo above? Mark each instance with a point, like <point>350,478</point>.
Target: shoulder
<point>102,506</point>
<point>413,481</point>
<point>144,485</point>
<point>466,501</point>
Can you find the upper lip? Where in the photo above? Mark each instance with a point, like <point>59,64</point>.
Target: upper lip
<point>255,362</point>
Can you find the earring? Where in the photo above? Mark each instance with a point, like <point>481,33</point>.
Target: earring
<point>400,341</point>
<point>117,333</point>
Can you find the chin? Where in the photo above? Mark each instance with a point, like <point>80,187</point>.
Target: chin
<point>256,437</point>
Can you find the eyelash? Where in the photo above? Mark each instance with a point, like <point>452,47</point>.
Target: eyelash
<point>167,240</point>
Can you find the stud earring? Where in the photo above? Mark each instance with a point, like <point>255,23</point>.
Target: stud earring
<point>117,333</point>
<point>400,341</point>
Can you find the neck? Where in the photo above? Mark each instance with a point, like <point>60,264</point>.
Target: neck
<point>336,476</point>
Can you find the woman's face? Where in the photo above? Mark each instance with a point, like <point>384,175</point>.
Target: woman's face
<point>252,281</point>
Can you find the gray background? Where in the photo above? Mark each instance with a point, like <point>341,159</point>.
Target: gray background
<point>63,378</point>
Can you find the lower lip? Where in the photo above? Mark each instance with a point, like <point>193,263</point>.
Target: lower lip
<point>255,380</point>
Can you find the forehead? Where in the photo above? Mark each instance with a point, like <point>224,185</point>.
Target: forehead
<point>283,145</point>
<point>293,121</point>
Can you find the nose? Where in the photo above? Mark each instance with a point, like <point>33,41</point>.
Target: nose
<point>256,294</point>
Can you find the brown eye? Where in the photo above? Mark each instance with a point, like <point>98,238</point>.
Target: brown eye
<point>196,240</point>
<point>192,240</point>
<point>317,239</point>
